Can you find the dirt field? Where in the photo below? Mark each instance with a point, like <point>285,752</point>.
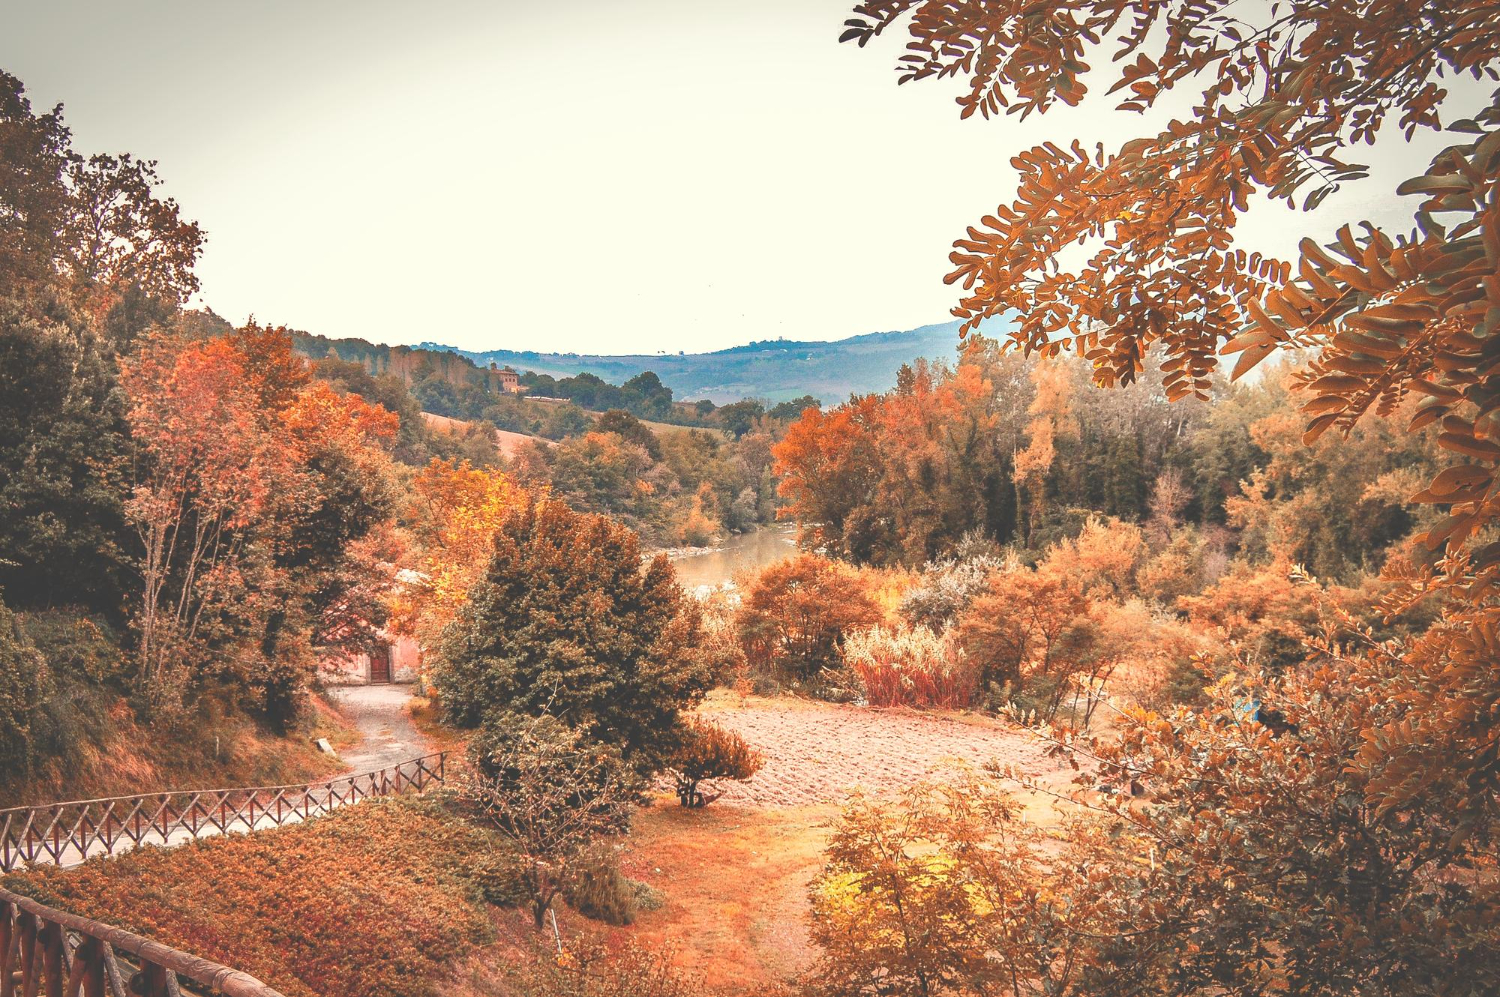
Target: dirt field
<point>507,441</point>
<point>819,753</point>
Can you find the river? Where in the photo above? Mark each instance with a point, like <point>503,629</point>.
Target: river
<point>698,569</point>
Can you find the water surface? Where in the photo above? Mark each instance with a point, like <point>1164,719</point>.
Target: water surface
<point>739,554</point>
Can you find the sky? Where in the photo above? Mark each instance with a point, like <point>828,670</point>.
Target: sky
<point>585,176</point>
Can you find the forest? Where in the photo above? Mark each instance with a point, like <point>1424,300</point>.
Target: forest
<point>1095,669</point>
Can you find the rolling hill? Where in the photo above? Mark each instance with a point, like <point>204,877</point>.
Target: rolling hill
<point>776,370</point>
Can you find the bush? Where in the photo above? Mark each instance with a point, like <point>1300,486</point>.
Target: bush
<point>596,888</point>
<point>710,752</point>
<point>911,667</point>
<point>945,588</point>
<point>794,619</point>
<point>589,968</point>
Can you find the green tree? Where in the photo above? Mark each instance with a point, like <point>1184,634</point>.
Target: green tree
<point>551,792</point>
<point>63,447</point>
<point>567,622</point>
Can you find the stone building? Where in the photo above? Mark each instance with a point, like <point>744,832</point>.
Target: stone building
<point>510,381</point>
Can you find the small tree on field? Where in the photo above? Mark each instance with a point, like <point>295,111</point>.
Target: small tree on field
<point>550,792</point>
<point>710,752</point>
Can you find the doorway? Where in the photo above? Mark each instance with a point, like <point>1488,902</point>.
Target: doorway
<point>380,664</point>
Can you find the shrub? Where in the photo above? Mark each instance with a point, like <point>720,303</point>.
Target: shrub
<point>794,619</point>
<point>946,588</point>
<point>911,667</point>
<point>596,888</point>
<point>589,968</point>
<point>710,752</point>
<point>719,645</point>
<point>1027,625</point>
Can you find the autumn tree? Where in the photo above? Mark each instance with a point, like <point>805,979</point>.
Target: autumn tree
<point>455,511</point>
<point>566,620</point>
<point>1051,413</point>
<point>246,498</point>
<point>794,619</point>
<point>1031,628</point>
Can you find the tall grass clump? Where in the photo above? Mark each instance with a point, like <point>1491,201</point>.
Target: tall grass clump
<point>912,666</point>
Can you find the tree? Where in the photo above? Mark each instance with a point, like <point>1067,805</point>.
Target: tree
<point>25,687</point>
<point>629,428</point>
<point>63,453</point>
<point>789,411</point>
<point>455,510</point>
<point>794,618</point>
<point>739,417</point>
<point>567,621</point>
<point>246,501</point>
<point>1051,410</point>
<point>92,228</point>
<point>1031,628</point>
<point>550,791</point>
<point>709,752</point>
<point>206,477</point>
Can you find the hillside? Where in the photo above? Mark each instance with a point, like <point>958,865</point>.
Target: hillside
<point>777,370</point>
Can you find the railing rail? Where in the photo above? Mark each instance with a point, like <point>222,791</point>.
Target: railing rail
<point>47,951</point>
<point>67,833</point>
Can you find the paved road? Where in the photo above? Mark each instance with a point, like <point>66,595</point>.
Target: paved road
<point>379,713</point>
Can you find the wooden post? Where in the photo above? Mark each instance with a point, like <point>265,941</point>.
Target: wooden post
<point>51,937</point>
<point>7,948</point>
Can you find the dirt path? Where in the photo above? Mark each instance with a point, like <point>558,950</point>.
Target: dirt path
<point>387,734</point>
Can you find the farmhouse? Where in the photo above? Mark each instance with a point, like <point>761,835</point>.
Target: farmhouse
<point>510,381</point>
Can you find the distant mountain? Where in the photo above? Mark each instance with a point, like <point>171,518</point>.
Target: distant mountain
<point>777,370</point>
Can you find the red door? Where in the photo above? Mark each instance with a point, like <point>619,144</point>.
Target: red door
<point>380,664</point>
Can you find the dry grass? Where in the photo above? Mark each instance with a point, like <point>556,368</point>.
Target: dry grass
<point>133,759</point>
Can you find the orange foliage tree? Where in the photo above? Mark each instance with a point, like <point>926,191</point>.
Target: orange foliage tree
<point>794,619</point>
<point>250,485</point>
<point>455,510</point>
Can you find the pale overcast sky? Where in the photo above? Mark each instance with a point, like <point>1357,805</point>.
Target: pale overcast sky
<point>589,176</point>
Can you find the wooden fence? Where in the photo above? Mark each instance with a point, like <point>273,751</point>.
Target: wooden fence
<point>68,833</point>
<point>46,951</point>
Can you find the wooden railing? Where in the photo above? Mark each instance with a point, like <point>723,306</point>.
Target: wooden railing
<point>46,951</point>
<point>68,833</point>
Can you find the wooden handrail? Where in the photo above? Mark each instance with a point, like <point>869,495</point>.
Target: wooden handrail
<point>58,953</point>
<point>64,833</point>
